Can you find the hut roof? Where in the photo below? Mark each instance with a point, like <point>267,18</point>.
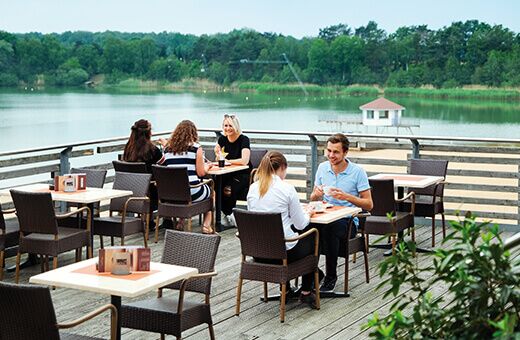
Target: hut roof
<point>381,104</point>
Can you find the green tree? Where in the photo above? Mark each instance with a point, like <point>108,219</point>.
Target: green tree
<point>330,33</point>
<point>320,62</point>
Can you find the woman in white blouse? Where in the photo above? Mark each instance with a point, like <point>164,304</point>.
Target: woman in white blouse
<point>269,193</point>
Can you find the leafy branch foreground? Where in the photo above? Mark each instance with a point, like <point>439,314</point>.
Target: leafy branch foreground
<point>482,299</point>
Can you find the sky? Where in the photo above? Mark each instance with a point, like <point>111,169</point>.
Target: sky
<point>297,18</point>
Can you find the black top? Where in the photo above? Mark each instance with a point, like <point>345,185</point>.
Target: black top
<point>150,158</point>
<point>234,150</point>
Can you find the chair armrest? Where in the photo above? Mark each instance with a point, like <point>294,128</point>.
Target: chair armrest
<point>208,181</point>
<point>184,284</point>
<point>113,319</point>
<point>435,191</point>
<point>305,234</point>
<point>8,211</point>
<point>125,207</point>
<point>75,212</point>
<point>411,195</point>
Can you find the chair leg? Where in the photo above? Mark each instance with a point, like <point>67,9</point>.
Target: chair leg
<point>55,262</point>
<point>46,263</point>
<point>79,254</point>
<point>189,224</point>
<point>211,331</point>
<point>42,264</point>
<point>367,276</point>
<point>146,230</point>
<point>162,336</point>
<point>17,273</point>
<point>265,292</point>
<point>122,240</point>
<point>393,237</point>
<point>157,228</point>
<point>433,231</point>
<point>101,242</point>
<point>239,293</point>
<point>367,241</point>
<point>354,258</point>
<point>345,286</point>
<point>413,233</point>
<point>317,284</point>
<point>1,265</point>
<point>76,254</point>
<point>443,225</point>
<point>282,302</point>
<point>112,241</point>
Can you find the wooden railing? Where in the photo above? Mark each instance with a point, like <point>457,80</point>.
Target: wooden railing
<point>483,173</point>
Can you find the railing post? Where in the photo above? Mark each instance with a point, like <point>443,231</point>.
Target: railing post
<point>518,197</point>
<point>314,159</point>
<point>65,160</point>
<point>415,148</point>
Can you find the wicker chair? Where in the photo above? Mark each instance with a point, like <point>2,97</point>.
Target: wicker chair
<point>9,235</point>
<point>385,203</point>
<point>170,315</point>
<point>354,245</point>
<point>39,231</point>
<point>123,225</point>
<point>133,167</point>
<point>95,179</point>
<point>430,200</point>
<point>28,313</point>
<point>173,189</point>
<point>256,158</point>
<point>261,236</point>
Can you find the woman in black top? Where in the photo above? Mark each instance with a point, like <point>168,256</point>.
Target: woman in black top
<point>236,149</point>
<point>140,147</point>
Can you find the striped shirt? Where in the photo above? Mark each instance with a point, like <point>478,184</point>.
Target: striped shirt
<point>187,160</point>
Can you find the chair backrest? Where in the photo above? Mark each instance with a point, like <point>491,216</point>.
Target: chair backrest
<point>429,167</point>
<point>27,312</point>
<point>256,157</point>
<point>134,167</point>
<point>138,184</point>
<point>35,212</point>
<point>209,153</point>
<point>95,177</point>
<point>172,184</point>
<point>2,220</point>
<point>191,250</point>
<point>382,196</point>
<point>261,234</point>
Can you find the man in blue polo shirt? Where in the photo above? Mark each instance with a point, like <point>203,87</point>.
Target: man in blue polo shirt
<point>349,187</point>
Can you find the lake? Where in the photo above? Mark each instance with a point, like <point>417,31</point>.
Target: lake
<point>40,118</point>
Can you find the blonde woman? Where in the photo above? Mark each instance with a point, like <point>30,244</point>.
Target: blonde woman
<point>236,148</point>
<point>269,193</point>
<point>183,150</point>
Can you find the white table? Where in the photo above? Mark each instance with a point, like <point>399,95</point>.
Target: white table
<point>83,276</point>
<point>333,214</point>
<point>217,173</point>
<point>87,197</point>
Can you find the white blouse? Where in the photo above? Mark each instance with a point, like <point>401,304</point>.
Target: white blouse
<point>280,198</point>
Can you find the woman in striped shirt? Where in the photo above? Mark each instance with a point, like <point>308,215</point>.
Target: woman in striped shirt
<point>183,150</point>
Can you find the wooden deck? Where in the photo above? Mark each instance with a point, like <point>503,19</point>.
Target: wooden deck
<point>337,319</point>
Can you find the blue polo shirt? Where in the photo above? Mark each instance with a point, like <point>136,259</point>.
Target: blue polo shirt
<point>352,180</point>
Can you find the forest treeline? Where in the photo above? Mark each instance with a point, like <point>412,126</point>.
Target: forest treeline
<point>463,53</point>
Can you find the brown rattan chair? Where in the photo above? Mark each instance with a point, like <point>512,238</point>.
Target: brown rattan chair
<point>28,313</point>
<point>171,315</point>
<point>430,200</point>
<point>261,237</point>
<point>379,223</point>
<point>122,225</point>
<point>354,245</point>
<point>173,190</point>
<point>9,235</point>
<point>256,158</point>
<point>95,179</point>
<point>133,167</point>
<point>39,231</point>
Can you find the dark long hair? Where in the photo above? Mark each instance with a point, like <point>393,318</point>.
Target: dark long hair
<point>139,146</point>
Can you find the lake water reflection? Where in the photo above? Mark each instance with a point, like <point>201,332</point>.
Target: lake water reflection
<point>40,118</point>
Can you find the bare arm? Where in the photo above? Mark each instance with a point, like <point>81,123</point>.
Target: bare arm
<point>200,166</point>
<point>246,154</point>
<point>317,193</point>
<point>364,201</point>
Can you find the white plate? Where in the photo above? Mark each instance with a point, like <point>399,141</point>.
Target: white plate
<point>328,205</point>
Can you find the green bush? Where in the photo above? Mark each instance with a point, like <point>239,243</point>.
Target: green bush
<point>8,79</point>
<point>482,282</point>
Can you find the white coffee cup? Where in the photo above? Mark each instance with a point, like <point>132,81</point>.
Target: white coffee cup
<point>317,206</point>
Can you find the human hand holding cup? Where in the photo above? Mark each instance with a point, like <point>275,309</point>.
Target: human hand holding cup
<point>317,206</point>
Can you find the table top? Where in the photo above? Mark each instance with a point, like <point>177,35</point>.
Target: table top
<point>83,276</point>
<point>227,169</point>
<point>410,181</point>
<point>334,213</point>
<point>89,195</point>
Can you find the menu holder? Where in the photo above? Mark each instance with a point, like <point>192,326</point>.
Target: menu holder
<point>139,258</point>
<point>70,182</point>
